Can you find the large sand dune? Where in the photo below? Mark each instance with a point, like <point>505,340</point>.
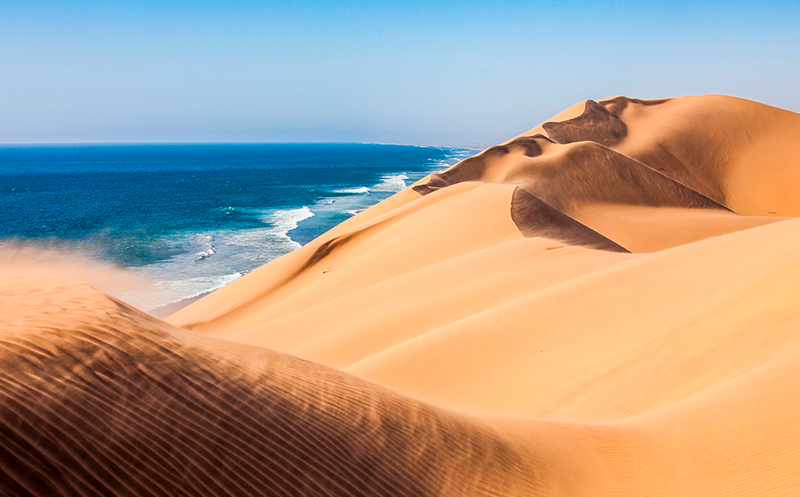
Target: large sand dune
<point>608,304</point>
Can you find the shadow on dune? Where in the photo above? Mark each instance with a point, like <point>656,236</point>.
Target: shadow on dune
<point>591,370</point>
<point>99,399</point>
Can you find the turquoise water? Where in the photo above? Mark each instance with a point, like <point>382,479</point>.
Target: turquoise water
<point>193,217</point>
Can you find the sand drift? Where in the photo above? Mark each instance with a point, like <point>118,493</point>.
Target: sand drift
<point>608,304</point>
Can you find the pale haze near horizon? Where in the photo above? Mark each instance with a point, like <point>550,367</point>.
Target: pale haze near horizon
<point>435,73</point>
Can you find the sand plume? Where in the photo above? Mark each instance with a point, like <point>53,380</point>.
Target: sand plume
<point>607,304</point>
<point>98,398</point>
<point>60,259</point>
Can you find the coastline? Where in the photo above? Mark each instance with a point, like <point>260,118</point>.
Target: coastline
<point>205,213</point>
<point>603,305</point>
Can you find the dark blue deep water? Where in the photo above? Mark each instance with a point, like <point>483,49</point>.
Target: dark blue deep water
<point>196,216</point>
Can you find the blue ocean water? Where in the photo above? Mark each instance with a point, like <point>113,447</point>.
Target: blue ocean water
<point>193,217</point>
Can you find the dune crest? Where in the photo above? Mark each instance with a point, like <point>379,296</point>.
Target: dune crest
<point>605,305</point>
<point>98,398</point>
<point>620,175</point>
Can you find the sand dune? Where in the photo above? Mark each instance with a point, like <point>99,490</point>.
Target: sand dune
<point>100,399</point>
<point>608,304</point>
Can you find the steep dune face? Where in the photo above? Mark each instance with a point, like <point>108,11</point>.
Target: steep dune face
<point>619,175</point>
<point>607,304</point>
<point>633,297</point>
<point>737,152</point>
<point>697,153</point>
<point>100,399</point>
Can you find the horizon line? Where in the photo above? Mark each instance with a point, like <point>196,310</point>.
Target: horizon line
<point>134,143</point>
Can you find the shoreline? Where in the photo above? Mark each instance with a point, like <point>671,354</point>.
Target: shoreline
<point>592,307</point>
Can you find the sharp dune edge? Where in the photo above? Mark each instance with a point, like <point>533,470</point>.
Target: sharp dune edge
<point>607,304</point>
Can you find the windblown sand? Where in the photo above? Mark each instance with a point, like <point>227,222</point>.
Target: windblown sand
<point>608,304</point>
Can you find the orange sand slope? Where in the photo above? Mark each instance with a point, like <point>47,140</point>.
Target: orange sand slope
<point>101,399</point>
<point>608,304</point>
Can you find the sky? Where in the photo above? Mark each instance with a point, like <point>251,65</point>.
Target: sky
<point>457,73</point>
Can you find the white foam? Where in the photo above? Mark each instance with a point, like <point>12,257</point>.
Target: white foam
<point>195,272</point>
<point>167,292</point>
<point>208,244</point>
<point>284,221</point>
<point>362,190</point>
<point>206,253</point>
<point>194,287</point>
<point>391,183</point>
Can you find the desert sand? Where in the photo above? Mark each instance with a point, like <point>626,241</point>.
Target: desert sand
<point>607,304</point>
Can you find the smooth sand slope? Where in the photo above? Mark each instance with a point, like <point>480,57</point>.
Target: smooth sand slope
<point>608,304</point>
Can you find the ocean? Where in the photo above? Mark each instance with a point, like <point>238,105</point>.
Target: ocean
<point>190,218</point>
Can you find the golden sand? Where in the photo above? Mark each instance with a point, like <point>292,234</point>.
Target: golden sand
<point>608,304</point>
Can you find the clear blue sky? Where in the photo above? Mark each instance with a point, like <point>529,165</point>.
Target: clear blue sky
<point>434,72</point>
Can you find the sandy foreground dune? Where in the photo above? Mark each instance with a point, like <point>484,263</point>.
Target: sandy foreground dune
<point>608,304</point>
